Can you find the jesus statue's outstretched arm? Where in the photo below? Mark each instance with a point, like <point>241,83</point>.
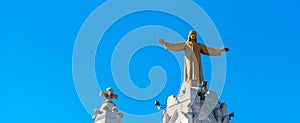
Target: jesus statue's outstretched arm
<point>212,51</point>
<point>173,46</point>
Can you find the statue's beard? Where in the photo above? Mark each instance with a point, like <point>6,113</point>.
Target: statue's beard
<point>192,40</point>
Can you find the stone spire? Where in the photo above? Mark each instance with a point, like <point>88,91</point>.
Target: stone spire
<point>108,112</point>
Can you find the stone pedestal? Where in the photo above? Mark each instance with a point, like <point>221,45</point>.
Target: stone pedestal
<point>188,107</point>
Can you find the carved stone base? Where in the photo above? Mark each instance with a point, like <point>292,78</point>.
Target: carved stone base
<point>189,108</point>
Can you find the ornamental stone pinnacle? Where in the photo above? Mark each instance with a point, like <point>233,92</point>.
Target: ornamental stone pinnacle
<point>108,112</point>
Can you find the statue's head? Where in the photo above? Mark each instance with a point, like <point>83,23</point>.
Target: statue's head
<point>109,91</point>
<point>192,36</point>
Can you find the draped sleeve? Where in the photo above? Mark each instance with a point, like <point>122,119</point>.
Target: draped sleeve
<point>175,46</point>
<point>210,51</point>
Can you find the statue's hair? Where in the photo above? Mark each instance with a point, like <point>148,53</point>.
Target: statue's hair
<point>192,31</point>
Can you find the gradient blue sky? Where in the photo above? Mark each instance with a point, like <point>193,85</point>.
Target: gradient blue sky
<point>37,40</point>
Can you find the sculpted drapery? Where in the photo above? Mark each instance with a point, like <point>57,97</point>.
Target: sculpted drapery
<point>192,58</point>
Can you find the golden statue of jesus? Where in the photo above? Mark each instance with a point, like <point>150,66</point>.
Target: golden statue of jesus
<point>192,59</point>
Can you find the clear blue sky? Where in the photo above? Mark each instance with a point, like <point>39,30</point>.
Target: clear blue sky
<point>36,47</point>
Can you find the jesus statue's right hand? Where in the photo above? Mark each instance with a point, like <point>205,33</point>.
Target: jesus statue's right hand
<point>162,41</point>
<point>226,49</point>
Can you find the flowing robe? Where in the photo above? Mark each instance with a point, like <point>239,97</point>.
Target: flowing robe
<point>192,58</point>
